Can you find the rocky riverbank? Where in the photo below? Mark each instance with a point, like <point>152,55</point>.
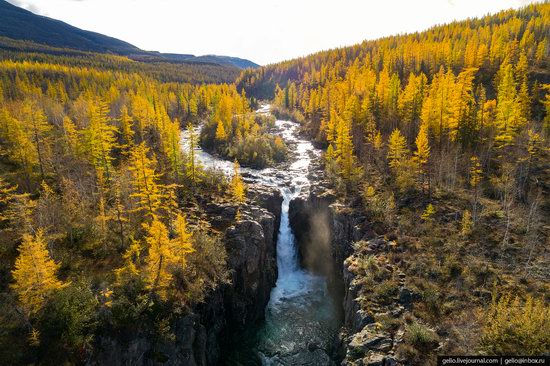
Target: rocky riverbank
<point>336,240</point>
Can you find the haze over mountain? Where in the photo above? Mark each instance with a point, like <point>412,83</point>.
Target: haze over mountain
<point>21,24</point>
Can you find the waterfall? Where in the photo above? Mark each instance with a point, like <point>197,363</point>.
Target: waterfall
<point>287,253</point>
<point>301,315</point>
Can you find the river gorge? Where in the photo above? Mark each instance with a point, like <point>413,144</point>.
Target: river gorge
<point>292,298</point>
<point>302,316</point>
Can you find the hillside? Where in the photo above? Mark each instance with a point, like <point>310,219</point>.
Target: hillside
<point>20,24</point>
<point>185,72</point>
<point>436,151</point>
<point>108,138</point>
<point>479,42</point>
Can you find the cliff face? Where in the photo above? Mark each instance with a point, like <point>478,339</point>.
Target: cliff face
<point>251,252</point>
<point>251,258</point>
<point>332,237</point>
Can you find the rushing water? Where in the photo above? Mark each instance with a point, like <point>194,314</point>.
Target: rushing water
<point>301,315</point>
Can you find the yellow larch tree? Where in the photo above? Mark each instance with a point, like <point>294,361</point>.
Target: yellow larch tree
<point>238,188</point>
<point>461,98</point>
<point>172,148</point>
<point>160,257</point>
<point>220,131</point>
<point>397,150</point>
<point>524,99</point>
<point>410,101</point>
<point>131,263</point>
<point>146,188</point>
<point>399,160</point>
<point>436,106</point>
<point>182,243</point>
<point>126,129</point>
<point>428,213</point>
<point>100,139</point>
<point>377,141</point>
<point>34,273</point>
<point>38,130</point>
<point>476,174</point>
<point>513,326</point>
<point>508,117</point>
<point>8,198</point>
<point>70,136</point>
<point>422,155</point>
<point>103,216</point>
<point>345,157</point>
<point>192,166</point>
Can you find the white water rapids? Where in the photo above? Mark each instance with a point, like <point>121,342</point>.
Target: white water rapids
<point>301,315</point>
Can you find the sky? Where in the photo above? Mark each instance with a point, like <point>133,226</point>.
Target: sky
<point>263,31</point>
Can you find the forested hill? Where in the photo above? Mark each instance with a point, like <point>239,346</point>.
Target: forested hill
<point>104,132</point>
<point>484,43</point>
<point>475,85</point>
<point>188,72</point>
<point>440,139</point>
<point>21,24</point>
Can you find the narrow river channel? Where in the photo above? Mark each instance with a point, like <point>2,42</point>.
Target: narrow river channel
<point>301,318</point>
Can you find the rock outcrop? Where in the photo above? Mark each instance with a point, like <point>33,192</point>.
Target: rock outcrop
<point>328,231</point>
<point>251,256</point>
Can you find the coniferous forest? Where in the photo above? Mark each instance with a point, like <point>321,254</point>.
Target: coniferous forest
<point>428,183</point>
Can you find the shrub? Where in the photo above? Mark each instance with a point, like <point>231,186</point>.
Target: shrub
<point>515,327</point>
<point>421,337</point>
<point>389,323</point>
<point>386,291</point>
<point>68,322</point>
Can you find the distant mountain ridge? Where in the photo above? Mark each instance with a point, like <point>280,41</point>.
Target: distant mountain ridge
<point>20,24</point>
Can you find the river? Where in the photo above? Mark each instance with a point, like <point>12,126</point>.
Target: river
<point>301,318</point>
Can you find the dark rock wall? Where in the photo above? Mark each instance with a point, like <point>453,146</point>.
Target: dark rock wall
<point>326,231</point>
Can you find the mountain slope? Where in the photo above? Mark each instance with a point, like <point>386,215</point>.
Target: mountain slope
<point>21,24</point>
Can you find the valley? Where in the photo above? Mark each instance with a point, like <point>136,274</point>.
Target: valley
<point>380,204</point>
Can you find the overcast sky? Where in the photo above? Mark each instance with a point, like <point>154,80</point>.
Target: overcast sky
<point>263,31</point>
